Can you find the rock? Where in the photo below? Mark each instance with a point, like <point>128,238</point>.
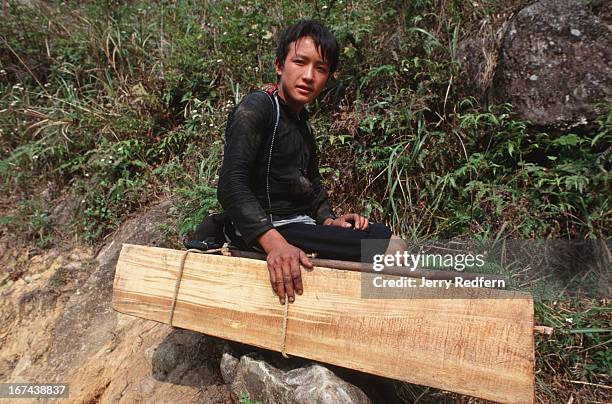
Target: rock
<point>64,212</point>
<point>555,64</point>
<point>27,279</point>
<point>182,359</point>
<point>476,56</point>
<point>146,386</point>
<point>307,384</point>
<point>228,366</point>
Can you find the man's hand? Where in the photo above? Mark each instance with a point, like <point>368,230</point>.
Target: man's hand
<point>349,220</point>
<point>284,265</point>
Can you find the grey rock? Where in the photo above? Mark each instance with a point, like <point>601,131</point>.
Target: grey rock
<point>228,366</point>
<point>182,359</point>
<point>64,213</point>
<point>476,56</point>
<point>308,384</point>
<point>569,50</point>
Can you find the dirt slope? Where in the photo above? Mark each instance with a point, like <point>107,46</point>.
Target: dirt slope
<point>58,326</point>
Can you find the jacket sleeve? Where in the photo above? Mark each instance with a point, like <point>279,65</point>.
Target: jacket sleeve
<point>321,209</point>
<point>246,130</point>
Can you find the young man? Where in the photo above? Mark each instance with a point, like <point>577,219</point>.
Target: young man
<point>269,183</point>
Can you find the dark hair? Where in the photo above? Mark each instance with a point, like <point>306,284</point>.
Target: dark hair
<point>324,40</point>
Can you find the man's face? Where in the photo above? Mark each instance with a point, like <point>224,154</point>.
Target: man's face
<point>304,74</point>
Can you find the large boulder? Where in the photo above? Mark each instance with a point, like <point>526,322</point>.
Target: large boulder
<point>554,64</point>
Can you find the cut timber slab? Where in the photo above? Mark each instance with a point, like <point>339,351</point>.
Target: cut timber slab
<point>479,347</point>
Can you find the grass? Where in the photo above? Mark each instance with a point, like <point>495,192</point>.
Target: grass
<point>119,106</point>
<point>576,360</point>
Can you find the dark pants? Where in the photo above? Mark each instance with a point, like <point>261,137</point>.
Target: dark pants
<point>330,242</point>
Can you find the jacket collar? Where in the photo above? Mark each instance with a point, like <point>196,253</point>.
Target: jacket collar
<point>303,115</point>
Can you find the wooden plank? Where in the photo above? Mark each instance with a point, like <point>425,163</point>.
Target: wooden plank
<point>479,347</point>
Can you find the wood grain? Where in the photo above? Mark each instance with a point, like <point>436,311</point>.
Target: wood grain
<point>474,346</point>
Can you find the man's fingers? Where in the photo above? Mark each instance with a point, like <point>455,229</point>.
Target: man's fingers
<point>273,278</point>
<point>364,223</point>
<point>356,219</point>
<point>297,273</point>
<point>280,285</point>
<point>305,260</point>
<point>288,280</point>
<point>359,222</point>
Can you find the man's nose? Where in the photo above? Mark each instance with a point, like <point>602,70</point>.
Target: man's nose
<point>308,73</point>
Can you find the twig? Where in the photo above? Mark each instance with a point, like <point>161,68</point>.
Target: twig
<point>595,346</point>
<point>450,82</point>
<point>542,329</point>
<point>603,386</point>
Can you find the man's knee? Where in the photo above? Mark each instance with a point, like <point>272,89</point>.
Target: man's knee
<point>396,244</point>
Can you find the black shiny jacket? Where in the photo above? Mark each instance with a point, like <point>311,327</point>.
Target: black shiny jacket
<point>256,187</point>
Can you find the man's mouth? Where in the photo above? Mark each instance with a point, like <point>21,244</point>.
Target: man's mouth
<point>304,89</point>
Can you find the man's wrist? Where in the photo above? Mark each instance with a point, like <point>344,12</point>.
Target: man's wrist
<point>270,240</point>
<point>328,221</point>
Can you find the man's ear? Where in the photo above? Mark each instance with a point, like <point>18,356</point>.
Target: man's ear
<point>278,67</point>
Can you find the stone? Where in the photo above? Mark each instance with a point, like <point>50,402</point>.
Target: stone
<point>555,64</point>
<point>228,366</point>
<point>182,357</point>
<point>64,213</point>
<point>307,384</point>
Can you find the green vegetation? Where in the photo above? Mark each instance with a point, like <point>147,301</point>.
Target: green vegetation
<point>118,105</point>
<point>581,328</point>
<point>121,105</point>
<point>244,399</point>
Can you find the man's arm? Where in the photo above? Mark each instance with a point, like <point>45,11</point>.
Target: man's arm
<point>246,131</point>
